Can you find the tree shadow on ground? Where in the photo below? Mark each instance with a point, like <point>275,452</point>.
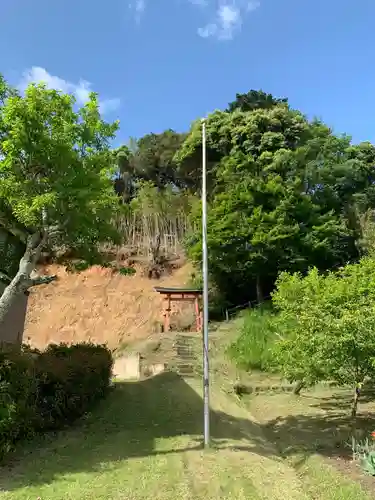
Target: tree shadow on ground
<point>340,401</point>
<point>138,417</point>
<point>323,427</point>
<point>130,423</point>
<point>308,434</point>
<point>327,431</point>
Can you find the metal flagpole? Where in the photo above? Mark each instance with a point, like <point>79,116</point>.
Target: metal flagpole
<point>206,376</point>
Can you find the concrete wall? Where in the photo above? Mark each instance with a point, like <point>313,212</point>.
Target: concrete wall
<point>11,331</point>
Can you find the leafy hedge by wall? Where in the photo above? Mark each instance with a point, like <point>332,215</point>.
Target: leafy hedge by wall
<point>47,390</point>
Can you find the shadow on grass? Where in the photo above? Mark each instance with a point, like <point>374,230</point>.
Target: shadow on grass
<point>342,400</point>
<point>308,434</point>
<point>137,419</point>
<point>326,432</point>
<point>131,422</point>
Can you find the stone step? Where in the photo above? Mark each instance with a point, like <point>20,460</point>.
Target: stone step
<point>185,361</point>
<point>185,370</point>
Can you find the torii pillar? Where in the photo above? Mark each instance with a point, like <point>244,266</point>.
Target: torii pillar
<point>180,294</point>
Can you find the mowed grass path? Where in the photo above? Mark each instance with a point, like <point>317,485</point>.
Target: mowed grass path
<point>144,442</point>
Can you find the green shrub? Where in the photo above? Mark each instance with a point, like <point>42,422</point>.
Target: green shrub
<point>327,326</point>
<point>47,390</point>
<point>16,386</point>
<point>70,380</point>
<point>78,266</point>
<point>252,350</point>
<point>127,271</point>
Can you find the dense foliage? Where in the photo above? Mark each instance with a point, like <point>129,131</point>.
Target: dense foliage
<point>46,390</point>
<point>272,209</point>
<point>56,186</point>
<point>56,165</point>
<point>327,324</point>
<point>253,348</point>
<point>285,193</point>
<point>321,327</point>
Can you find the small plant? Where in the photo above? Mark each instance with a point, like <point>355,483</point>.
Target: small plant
<point>252,350</point>
<point>127,271</point>
<point>364,453</point>
<point>107,265</point>
<point>78,266</point>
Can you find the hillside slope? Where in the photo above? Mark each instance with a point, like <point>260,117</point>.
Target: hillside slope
<point>96,305</point>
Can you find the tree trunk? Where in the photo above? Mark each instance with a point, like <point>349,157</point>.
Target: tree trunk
<point>155,250</point>
<point>259,290</point>
<point>355,402</point>
<point>11,294</point>
<point>298,388</point>
<point>23,279</point>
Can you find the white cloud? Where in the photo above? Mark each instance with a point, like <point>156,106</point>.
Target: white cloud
<point>108,105</point>
<point>138,7</point>
<point>228,18</point>
<point>80,90</point>
<point>225,16</point>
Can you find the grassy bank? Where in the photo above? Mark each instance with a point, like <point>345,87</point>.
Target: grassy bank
<point>144,442</point>
<point>251,349</point>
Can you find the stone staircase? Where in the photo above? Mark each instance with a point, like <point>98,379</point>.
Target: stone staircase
<point>185,356</point>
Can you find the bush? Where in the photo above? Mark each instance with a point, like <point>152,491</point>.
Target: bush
<point>47,390</point>
<point>127,271</point>
<point>327,326</point>
<point>16,386</point>
<point>70,380</point>
<point>253,348</point>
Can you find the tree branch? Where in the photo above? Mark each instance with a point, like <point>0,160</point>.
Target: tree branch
<point>53,231</point>
<point>12,228</point>
<point>41,280</point>
<point>4,277</point>
<point>34,246</point>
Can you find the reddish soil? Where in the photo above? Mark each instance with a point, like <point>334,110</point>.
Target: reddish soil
<point>97,305</point>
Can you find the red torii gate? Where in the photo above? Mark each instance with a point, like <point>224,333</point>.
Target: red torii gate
<point>180,294</point>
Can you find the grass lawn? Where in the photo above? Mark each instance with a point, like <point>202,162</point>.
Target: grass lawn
<point>144,442</point>
<point>314,429</point>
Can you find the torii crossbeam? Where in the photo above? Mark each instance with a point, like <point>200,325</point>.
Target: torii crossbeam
<point>180,294</point>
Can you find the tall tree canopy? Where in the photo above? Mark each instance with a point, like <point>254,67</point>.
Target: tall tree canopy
<point>282,192</point>
<point>154,158</point>
<point>151,160</point>
<point>255,99</point>
<point>56,167</point>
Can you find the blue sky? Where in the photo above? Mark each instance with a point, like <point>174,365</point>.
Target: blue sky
<point>160,64</point>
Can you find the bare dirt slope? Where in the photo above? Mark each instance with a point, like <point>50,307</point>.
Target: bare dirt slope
<point>96,305</point>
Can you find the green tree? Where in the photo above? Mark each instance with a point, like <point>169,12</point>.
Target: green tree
<point>326,324</point>
<point>56,169</point>
<point>125,179</point>
<point>153,158</point>
<point>255,99</point>
<point>150,159</point>
<point>339,175</point>
<point>263,215</point>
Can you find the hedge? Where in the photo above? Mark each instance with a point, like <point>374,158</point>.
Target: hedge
<point>41,391</point>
